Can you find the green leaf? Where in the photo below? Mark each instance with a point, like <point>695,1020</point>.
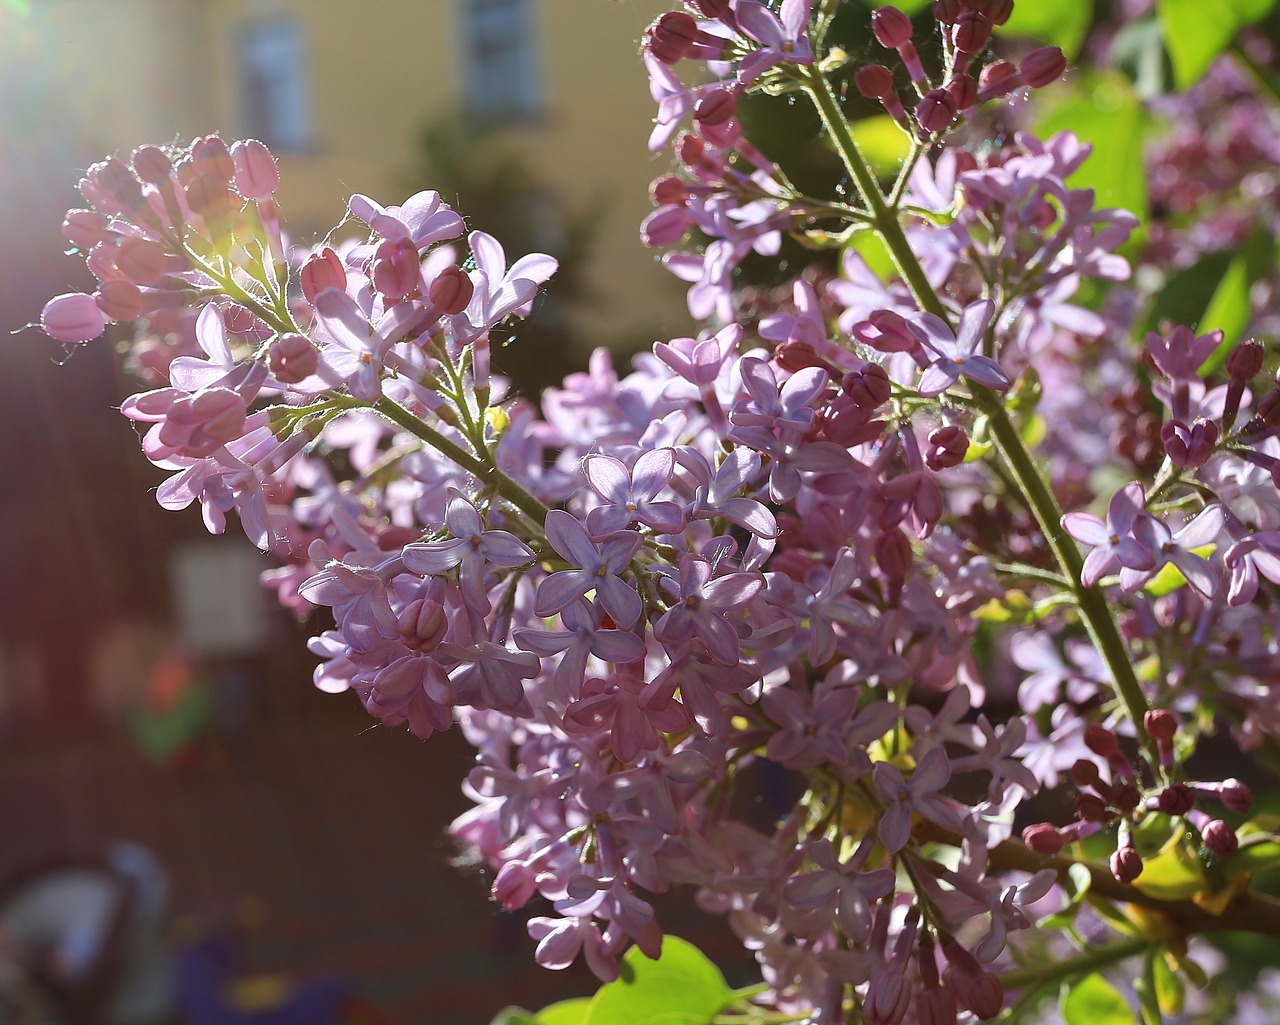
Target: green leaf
<point>1256,854</point>
<point>566,1012</point>
<point>1230,308</point>
<point>882,142</point>
<point>514,1016</point>
<point>682,987</point>
<point>1077,884</point>
<point>1173,874</point>
<point>1063,23</point>
<point>1094,1001</point>
<point>1197,31</point>
<point>870,246</point>
<point>1106,112</point>
<point>1171,991</point>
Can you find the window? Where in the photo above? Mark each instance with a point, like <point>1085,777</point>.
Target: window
<point>501,69</point>
<point>277,107</point>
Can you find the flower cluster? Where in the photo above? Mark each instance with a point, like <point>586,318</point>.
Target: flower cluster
<point>818,545</point>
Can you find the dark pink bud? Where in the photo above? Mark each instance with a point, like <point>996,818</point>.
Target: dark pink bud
<point>320,271</point>
<point>72,317</point>
<point>669,190</point>
<point>256,174</point>
<point>947,11</point>
<point>1269,408</point>
<point>874,81</point>
<point>887,998</point>
<point>207,195</point>
<point>395,270</point>
<point>423,624</point>
<point>451,291</point>
<point>118,180</point>
<point>514,885</point>
<point>1092,808</point>
<point>666,225</point>
<point>1189,446</point>
<point>971,32</point>
<point>1042,67</point>
<point>1126,797</point>
<point>1235,796</point>
<point>936,111</point>
<point>1126,864</point>
<point>868,386</point>
<point>1219,838</point>
<point>964,91</point>
<point>211,156</point>
<point>996,74</point>
<point>1245,361</point>
<point>141,260</point>
<point>85,229</point>
<point>793,356</point>
<point>946,448</point>
<point>151,164</point>
<point>893,554</point>
<point>891,27</point>
<point>1175,799</point>
<point>998,11</point>
<point>1044,839</point>
<point>886,331</point>
<point>710,8</point>
<point>1160,724</point>
<point>672,36</point>
<point>1084,773</point>
<point>120,300</point>
<point>716,107</point>
<point>292,358</point>
<point>1101,741</point>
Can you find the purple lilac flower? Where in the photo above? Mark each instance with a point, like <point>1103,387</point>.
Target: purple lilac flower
<point>958,353</point>
<point>1177,549</point>
<point>599,568</point>
<point>700,605</point>
<point>919,794</point>
<point>629,494</point>
<point>583,635</point>
<point>1114,543</point>
<point>783,36</point>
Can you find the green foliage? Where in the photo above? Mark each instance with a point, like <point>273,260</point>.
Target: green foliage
<point>1230,308</point>
<point>1063,23</point>
<point>1094,1001</point>
<point>1197,31</point>
<point>884,144</point>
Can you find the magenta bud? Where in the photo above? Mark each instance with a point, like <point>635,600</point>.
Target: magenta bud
<point>115,176</point>
<point>514,885</point>
<point>868,386</point>
<point>893,554</point>
<point>998,76</point>
<point>85,229</point>
<point>256,174</point>
<point>669,190</point>
<point>395,268</point>
<point>1160,724</point>
<point>886,331</point>
<point>451,291</point>
<point>710,8</point>
<point>1126,798</point>
<point>1219,838</point>
<point>874,81</point>
<point>946,447</point>
<point>1042,67</point>
<point>292,358</point>
<point>1126,864</point>
<point>1235,796</point>
<point>891,27</point>
<point>998,11</point>
<point>964,91</point>
<point>1101,741</point>
<point>794,356</point>
<point>1044,839</point>
<point>947,11</point>
<point>141,260</point>
<point>320,271</point>
<point>207,195</point>
<point>1189,446</point>
<point>1245,361</point>
<point>888,997</point>
<point>971,32</point>
<point>672,36</point>
<point>1269,408</point>
<point>716,107</point>
<point>211,156</point>
<point>151,164</point>
<point>1092,808</point>
<point>120,300</point>
<point>1175,799</point>
<point>1084,773</point>
<point>423,624</point>
<point>666,225</point>
<point>936,111</point>
<point>73,317</point>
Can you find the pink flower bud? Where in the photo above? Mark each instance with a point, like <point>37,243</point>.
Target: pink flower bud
<point>1084,773</point>
<point>423,624</point>
<point>1245,361</point>
<point>1042,67</point>
<point>394,269</point>
<point>1126,798</point>
<point>997,73</point>
<point>891,27</point>
<point>114,176</point>
<point>672,36</point>
<point>665,226</point>
<point>207,196</point>
<point>886,331</point>
<point>1269,408</point>
<point>945,12</point>
<point>936,111</point>
<point>874,81</point>
<point>151,164</point>
<point>85,229</point>
<point>210,156</point>
<point>1126,864</point>
<point>256,174</point>
<point>120,300</point>
<point>964,91</point>
<point>1092,808</point>
<point>868,386</point>
<point>947,447</point>
<point>320,271</point>
<point>452,290</point>
<point>893,554</point>
<point>292,358</point>
<point>971,32</point>
<point>793,356</point>
<point>1220,838</point>
<point>141,260</point>
<point>716,107</point>
<point>1160,724</point>
<point>1189,446</point>
<point>998,11</point>
<point>887,998</point>
<point>710,8</point>
<point>1044,839</point>
<point>72,317</point>
<point>1235,796</point>
<point>1101,741</point>
<point>668,190</point>
<point>514,885</point>
<point>1175,799</point>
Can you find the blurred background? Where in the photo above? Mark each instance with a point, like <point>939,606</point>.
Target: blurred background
<point>150,690</point>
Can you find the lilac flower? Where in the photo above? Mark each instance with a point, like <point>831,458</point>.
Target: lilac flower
<point>1181,355</point>
<point>582,635</point>
<point>1253,554</point>
<point>599,568</point>
<point>500,290</point>
<point>716,490</point>
<point>1113,541</point>
<point>789,407</point>
<point>471,547</point>
<point>1177,549</point>
<point>958,354</point>
<point>489,676</point>
<point>783,36</point>
<point>361,348</point>
<point>700,606</point>
<point>629,494</point>
<point>613,706</point>
<point>840,890</point>
<point>423,219</point>
<point>700,680</point>
<point>919,794</point>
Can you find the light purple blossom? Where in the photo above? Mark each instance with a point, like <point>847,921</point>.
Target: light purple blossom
<point>958,354</point>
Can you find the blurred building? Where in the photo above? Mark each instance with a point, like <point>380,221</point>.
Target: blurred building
<point>348,96</point>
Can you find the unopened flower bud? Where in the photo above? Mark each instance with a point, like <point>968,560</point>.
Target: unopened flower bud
<point>1092,808</point>
<point>1126,864</point>
<point>451,291</point>
<point>893,554</point>
<point>1042,67</point>
<point>120,300</point>
<point>151,164</point>
<point>891,27</point>
<point>292,358</point>
<point>1101,741</point>
<point>886,331</point>
<point>1269,408</point>
<point>394,269</point>
<point>141,260</point>
<point>947,11</point>
<point>716,107</point>
<point>793,356</point>
<point>1175,799</point>
<point>936,111</point>
<point>868,385</point>
<point>1084,773</point>
<point>1044,839</point>
<point>72,317</point>
<point>963,90</point>
<point>210,156</point>
<point>971,32</point>
<point>1245,361</point>
<point>710,8</point>
<point>672,36</point>
<point>514,885</point>
<point>874,81</point>
<point>669,190</point>
<point>85,229</point>
<point>1126,798</point>
<point>207,196</point>
<point>1160,724</point>
<point>320,271</point>
<point>998,11</point>
<point>998,78</point>
<point>1235,796</point>
<point>1220,838</point>
<point>946,448</point>
<point>256,173</point>
<point>423,624</point>
<point>1189,446</point>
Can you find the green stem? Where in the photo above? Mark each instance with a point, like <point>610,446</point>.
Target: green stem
<point>1087,962</point>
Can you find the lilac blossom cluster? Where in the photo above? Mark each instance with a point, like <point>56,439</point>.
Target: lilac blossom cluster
<point>818,545</point>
